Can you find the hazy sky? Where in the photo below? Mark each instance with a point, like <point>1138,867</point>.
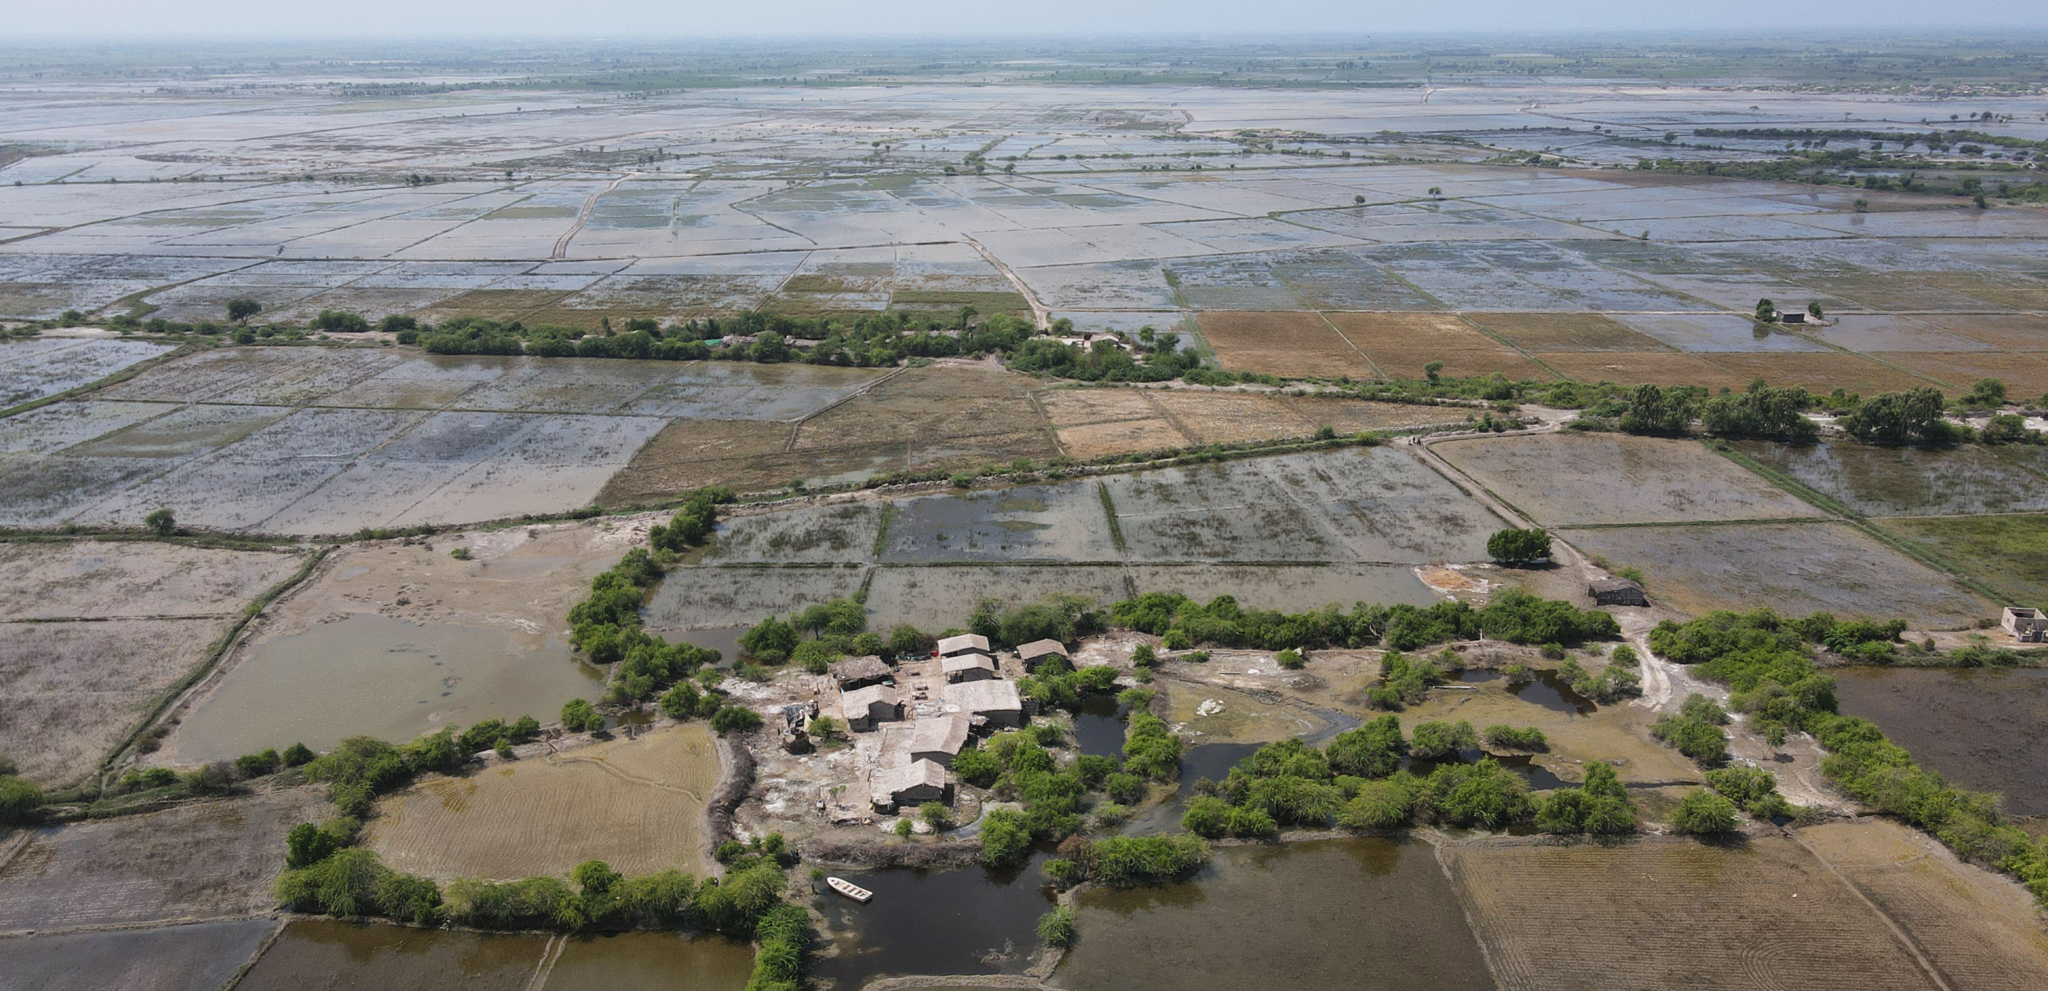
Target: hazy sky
<point>840,18</point>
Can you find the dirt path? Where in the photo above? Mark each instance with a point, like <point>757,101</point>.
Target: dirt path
<point>1039,314</point>
<point>583,216</point>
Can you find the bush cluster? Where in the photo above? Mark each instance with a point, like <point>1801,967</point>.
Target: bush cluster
<point>1512,615</point>
<point>1599,806</point>
<point>1695,730</point>
<point>361,767</point>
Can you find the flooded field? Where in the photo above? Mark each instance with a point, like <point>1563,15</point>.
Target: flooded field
<point>1366,505</point>
<point>973,920</point>
<point>1984,729</point>
<point>1743,927</point>
<point>207,860</point>
<point>369,675</point>
<point>533,816</point>
<point>649,962</point>
<point>1910,481</point>
<point>2007,552</point>
<point>1794,568</point>
<point>318,955</point>
<point>32,370</point>
<point>197,957</point>
<point>1260,917</point>
<point>1618,478</point>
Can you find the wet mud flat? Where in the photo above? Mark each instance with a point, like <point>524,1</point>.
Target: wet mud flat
<point>1351,913</point>
<point>1982,728</point>
<point>175,958</point>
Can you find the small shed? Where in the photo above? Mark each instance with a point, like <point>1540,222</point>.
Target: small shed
<point>965,643</point>
<point>859,672</point>
<point>968,667</point>
<point>2026,625</point>
<point>1617,592</point>
<point>914,783</point>
<point>1038,650</point>
<point>864,707</point>
<point>939,738</point>
<point>995,701</point>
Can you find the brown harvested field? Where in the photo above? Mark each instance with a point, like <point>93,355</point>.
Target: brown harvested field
<point>1350,416</point>
<point>71,692</point>
<point>1641,368</point>
<point>1076,407</point>
<point>1289,343</point>
<point>1981,930</point>
<point>103,645</point>
<point>2011,331</point>
<point>495,304</point>
<point>1400,344</point>
<point>1535,332</point>
<point>678,459</point>
<point>2025,375</point>
<point>1100,440</point>
<point>1230,417</point>
<point>98,579</point>
<point>1562,479</point>
<point>521,580</point>
<point>636,804</point>
<point>1819,371</point>
<point>198,861</point>
<point>1671,912</point>
<point>937,402</point>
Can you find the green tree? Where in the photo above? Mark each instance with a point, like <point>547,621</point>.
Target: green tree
<point>241,308</point>
<point>1900,418</point>
<point>161,521</point>
<point>1704,813</point>
<point>1766,311</point>
<point>770,640</point>
<point>579,716</point>
<point>1515,546</point>
<point>1437,739</point>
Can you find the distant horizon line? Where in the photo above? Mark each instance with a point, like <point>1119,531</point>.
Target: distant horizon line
<point>1217,37</point>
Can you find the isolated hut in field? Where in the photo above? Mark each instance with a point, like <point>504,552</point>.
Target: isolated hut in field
<point>864,707</point>
<point>939,738</point>
<point>1038,650</point>
<point>859,672</point>
<point>965,643</point>
<point>997,701</point>
<point>968,667</point>
<point>2026,625</point>
<point>1617,592</point>
<point>912,784</point>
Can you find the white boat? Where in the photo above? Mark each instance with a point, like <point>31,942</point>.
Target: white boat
<point>849,889</point>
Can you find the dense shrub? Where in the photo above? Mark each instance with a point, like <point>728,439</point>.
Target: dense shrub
<point>1005,838</point>
<point>1433,740</point>
<point>1151,750</point>
<point>1510,738</point>
<point>1373,750</point>
<point>1599,806</point>
<point>1056,928</point>
<point>1482,795</point>
<point>361,767</point>
<point>1126,861</point>
<point>1696,731</point>
<point>1704,813</point>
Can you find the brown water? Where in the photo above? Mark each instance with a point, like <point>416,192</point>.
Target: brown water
<point>968,921</point>
<point>382,677</point>
<point>650,961</point>
<point>1353,914</point>
<point>315,956</point>
<point>1983,728</point>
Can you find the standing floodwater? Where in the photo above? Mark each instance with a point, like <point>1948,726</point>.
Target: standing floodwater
<point>1352,914</point>
<point>968,921</point>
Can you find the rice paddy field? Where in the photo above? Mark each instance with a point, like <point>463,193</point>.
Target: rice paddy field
<point>1912,481</point>
<point>1981,728</point>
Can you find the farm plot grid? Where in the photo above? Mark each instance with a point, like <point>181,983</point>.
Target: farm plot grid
<point>1328,527</point>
